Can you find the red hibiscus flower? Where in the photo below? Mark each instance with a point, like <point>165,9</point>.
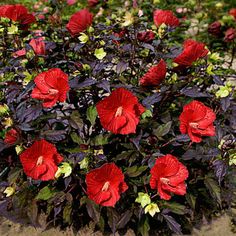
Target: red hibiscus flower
<point>155,75</point>
<point>93,3</point>
<point>11,137</point>
<point>230,35</point>
<point>165,16</point>
<point>215,28</point>
<point>17,13</point>
<point>79,22</point>
<point>193,50</point>
<point>71,2</point>
<point>232,12</point>
<point>120,112</point>
<point>105,184</point>
<point>51,86</point>
<point>40,160</point>
<point>168,176</point>
<point>119,35</point>
<point>196,120</point>
<point>19,53</point>
<point>147,36</point>
<point>38,46</point>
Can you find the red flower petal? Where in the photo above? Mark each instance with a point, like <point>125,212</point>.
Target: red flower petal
<point>51,86</point>
<point>197,120</point>
<point>193,50</point>
<point>120,112</point>
<point>168,176</point>
<point>38,46</point>
<point>105,184</point>
<point>155,75</point>
<point>17,13</point>
<point>11,137</point>
<point>40,160</point>
<point>79,22</point>
<point>165,16</point>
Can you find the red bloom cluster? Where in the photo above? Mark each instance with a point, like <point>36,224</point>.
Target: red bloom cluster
<point>230,35</point>
<point>215,28</point>
<point>40,160</point>
<point>105,184</point>
<point>51,86</point>
<point>19,53</point>
<point>165,16</point>
<point>38,46</point>
<point>155,75</point>
<point>193,50</point>
<point>93,3</point>
<point>196,120</point>
<point>79,22</point>
<point>120,112</point>
<point>168,176</point>
<point>17,13</point>
<point>146,36</point>
<point>232,12</point>
<point>11,137</point>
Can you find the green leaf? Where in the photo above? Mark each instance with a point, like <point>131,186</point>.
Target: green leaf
<point>83,38</point>
<point>144,227</point>
<point>191,200</point>
<point>162,129</point>
<point>100,139</point>
<point>67,213</point>
<point>213,188</point>
<point>100,53</point>
<point>92,114</point>
<point>135,171</point>
<point>175,207</point>
<point>64,168</point>
<point>143,198</point>
<point>45,194</point>
<point>75,120</point>
<point>76,138</point>
<point>147,113</point>
<point>152,209</point>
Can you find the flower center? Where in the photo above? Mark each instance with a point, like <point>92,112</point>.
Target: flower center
<point>119,111</point>
<point>165,180</point>
<point>52,91</point>
<point>106,186</point>
<point>193,125</point>
<point>39,161</point>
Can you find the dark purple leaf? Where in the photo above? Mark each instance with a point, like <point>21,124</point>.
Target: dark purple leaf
<point>193,92</point>
<point>121,67</point>
<point>54,135</point>
<point>173,224</point>
<point>149,46</point>
<point>150,100</point>
<point>220,169</point>
<point>124,219</point>
<point>104,84</point>
<point>225,103</point>
<point>93,210</point>
<point>75,84</point>
<point>113,218</point>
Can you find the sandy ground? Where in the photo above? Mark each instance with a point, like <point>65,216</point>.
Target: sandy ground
<point>219,227</point>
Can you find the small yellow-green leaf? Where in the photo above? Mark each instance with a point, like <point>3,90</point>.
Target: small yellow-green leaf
<point>9,191</point>
<point>100,53</point>
<point>152,209</point>
<point>83,38</point>
<point>143,198</point>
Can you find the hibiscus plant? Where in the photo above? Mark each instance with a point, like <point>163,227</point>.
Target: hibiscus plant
<point>113,114</point>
